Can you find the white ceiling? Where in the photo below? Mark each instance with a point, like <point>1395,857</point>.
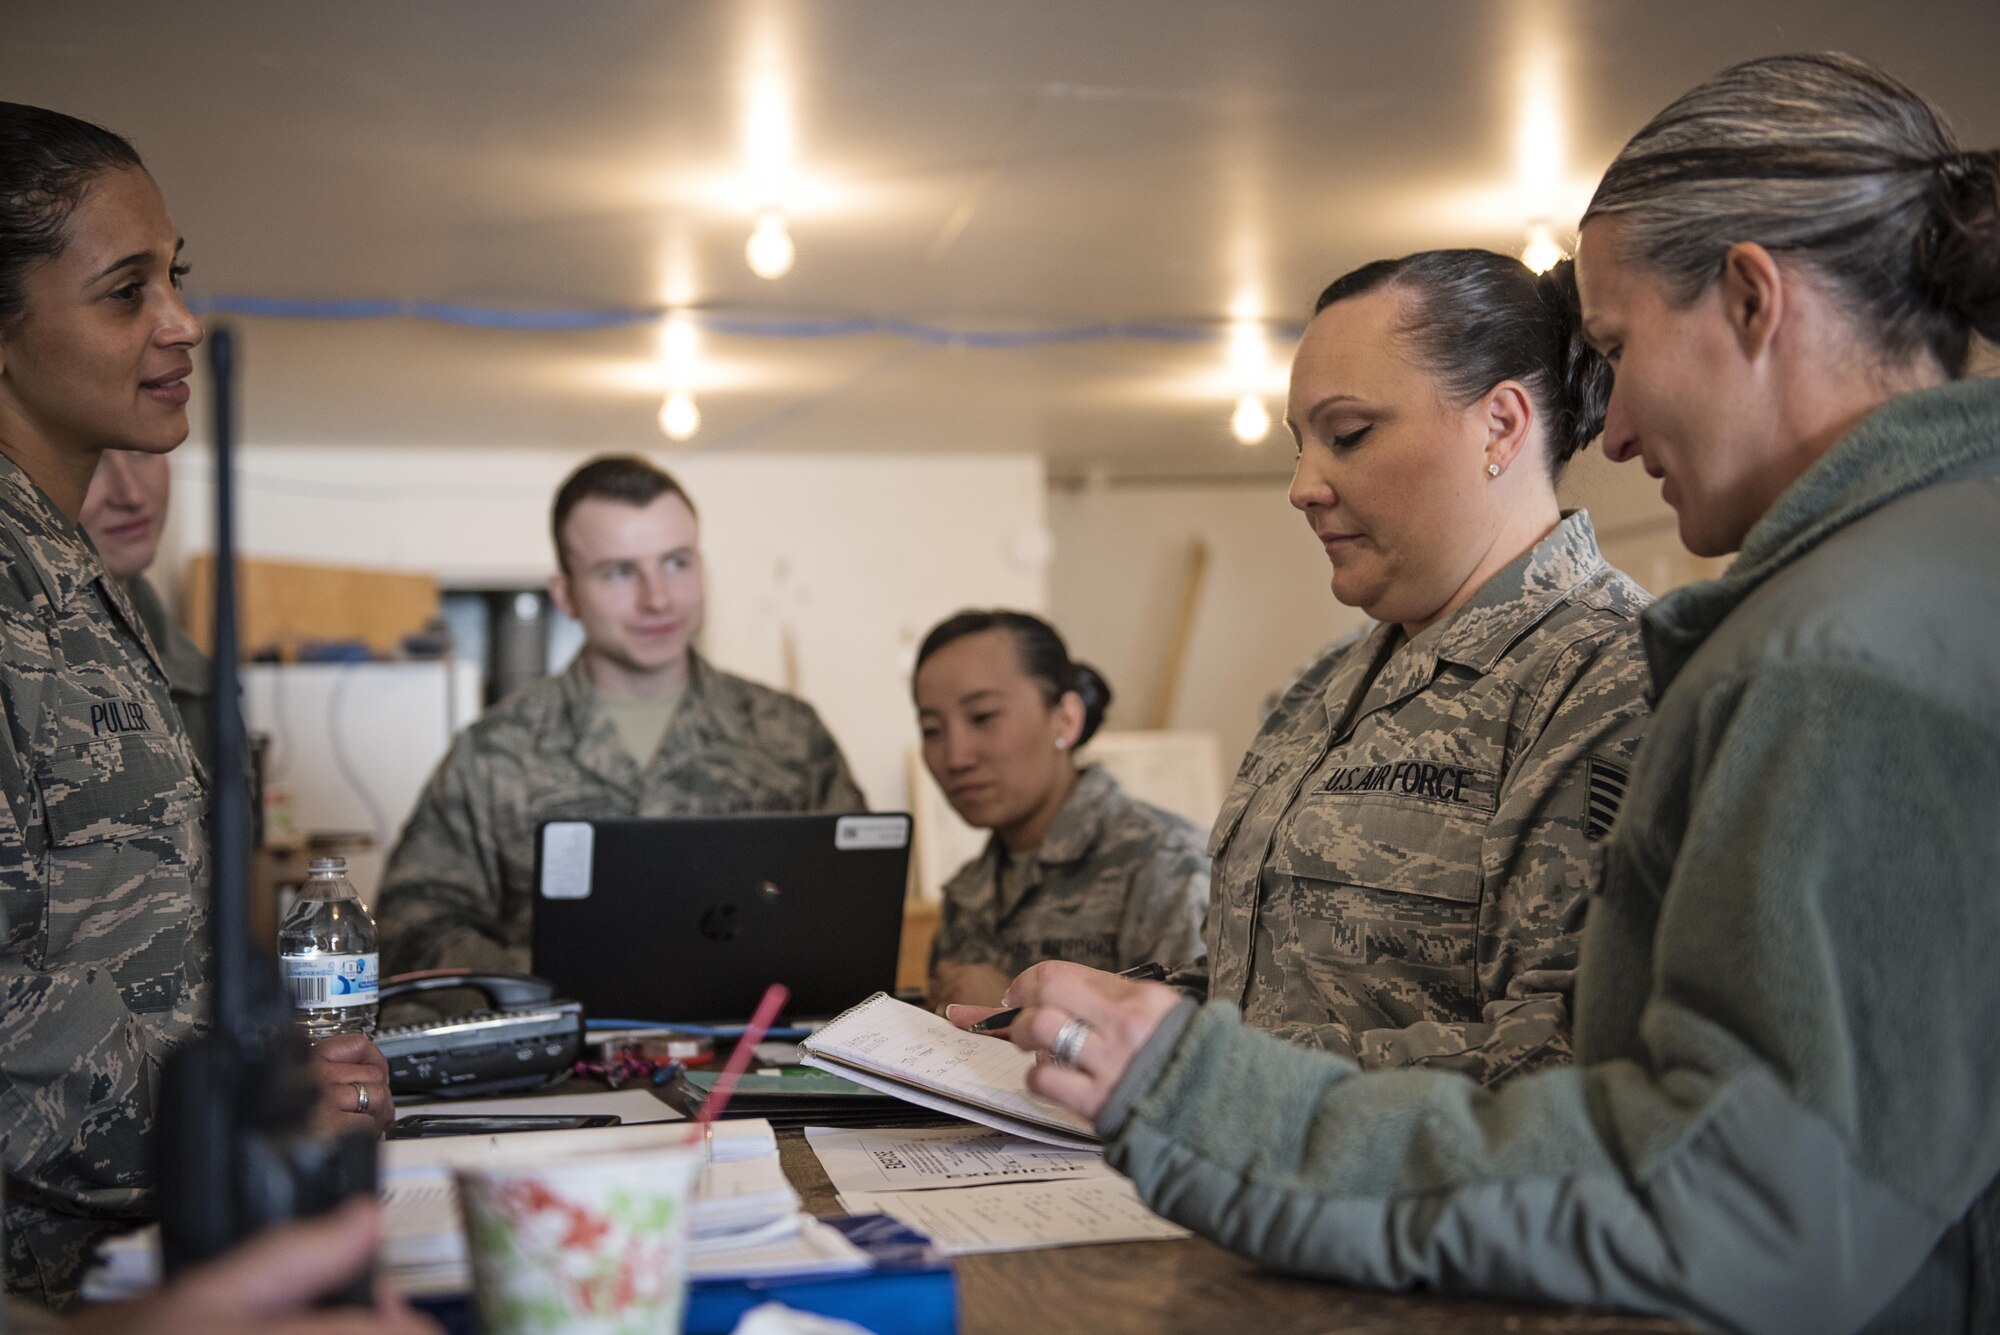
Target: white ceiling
<point>998,166</point>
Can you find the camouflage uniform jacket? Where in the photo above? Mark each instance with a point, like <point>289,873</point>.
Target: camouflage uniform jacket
<point>1115,883</point>
<point>1402,864</point>
<point>186,666</point>
<point>457,889</point>
<point>101,864</point>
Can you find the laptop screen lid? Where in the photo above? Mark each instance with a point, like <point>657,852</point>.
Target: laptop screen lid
<point>689,918</point>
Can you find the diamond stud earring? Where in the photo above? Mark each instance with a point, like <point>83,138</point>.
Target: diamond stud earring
<point>1493,470</point>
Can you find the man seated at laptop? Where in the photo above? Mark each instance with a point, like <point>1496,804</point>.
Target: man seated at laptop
<point>639,725</point>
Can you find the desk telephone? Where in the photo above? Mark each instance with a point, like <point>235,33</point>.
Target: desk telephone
<point>524,1039</point>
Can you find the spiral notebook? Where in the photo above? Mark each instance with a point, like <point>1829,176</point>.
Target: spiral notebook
<point>902,1050</point>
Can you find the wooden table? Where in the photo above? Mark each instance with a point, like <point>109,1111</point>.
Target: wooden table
<point>1195,1287</point>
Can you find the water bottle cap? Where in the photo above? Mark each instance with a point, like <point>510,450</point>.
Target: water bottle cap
<point>326,866</point>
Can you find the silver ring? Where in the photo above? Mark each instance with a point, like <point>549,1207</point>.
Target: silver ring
<point>361,1100</point>
<point>1069,1043</point>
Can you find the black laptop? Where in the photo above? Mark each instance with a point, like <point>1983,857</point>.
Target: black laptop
<point>691,918</point>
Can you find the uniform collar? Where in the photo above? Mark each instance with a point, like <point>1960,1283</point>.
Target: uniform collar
<point>697,722</point>
<point>1074,831</point>
<point>62,555</point>
<point>187,668</point>
<point>1503,609</point>
<point>1906,444</point>
<point>1070,838</point>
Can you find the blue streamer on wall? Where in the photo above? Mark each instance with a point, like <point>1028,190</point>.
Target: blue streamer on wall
<point>916,331</point>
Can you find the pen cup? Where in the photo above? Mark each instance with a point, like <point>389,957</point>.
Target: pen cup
<point>589,1245</point>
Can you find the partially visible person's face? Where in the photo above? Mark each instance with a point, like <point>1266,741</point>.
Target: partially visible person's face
<point>1390,477</point>
<point>990,738</point>
<point>125,509</point>
<point>632,575</point>
<point>1682,399</point>
<point>99,357</point>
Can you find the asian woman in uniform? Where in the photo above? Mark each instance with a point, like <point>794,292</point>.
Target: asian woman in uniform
<point>1076,869</point>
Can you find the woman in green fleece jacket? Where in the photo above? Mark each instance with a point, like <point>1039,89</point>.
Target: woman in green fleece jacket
<point>1785,1114</point>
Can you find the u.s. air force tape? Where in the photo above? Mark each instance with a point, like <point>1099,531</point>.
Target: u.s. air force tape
<point>1424,780</point>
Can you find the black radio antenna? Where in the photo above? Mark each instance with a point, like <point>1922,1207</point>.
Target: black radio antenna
<point>229,800</point>
<point>235,1150</point>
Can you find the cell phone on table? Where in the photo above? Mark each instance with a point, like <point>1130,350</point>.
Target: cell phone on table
<point>419,1126</point>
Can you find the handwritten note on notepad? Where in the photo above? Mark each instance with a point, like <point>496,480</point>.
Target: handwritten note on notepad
<point>919,1057</point>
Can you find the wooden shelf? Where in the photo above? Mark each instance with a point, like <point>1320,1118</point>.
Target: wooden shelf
<point>282,604</point>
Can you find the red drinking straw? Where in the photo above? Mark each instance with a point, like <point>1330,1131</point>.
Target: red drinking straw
<point>746,1048</point>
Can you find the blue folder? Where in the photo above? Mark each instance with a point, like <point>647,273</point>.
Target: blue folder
<point>909,1291</point>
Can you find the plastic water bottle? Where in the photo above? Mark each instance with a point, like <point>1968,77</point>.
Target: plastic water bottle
<point>326,951</point>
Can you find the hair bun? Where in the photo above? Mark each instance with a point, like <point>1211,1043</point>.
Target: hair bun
<point>1958,255</point>
<point>1095,692</point>
<point>1583,379</point>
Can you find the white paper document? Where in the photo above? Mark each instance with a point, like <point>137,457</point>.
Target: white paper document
<point>448,1152</point>
<point>423,1243</point>
<point>744,1217</point>
<point>1016,1217</point>
<point>745,1138</point>
<point>738,1195</point>
<point>741,1197</point>
<point>733,1193</point>
<point>812,1248</point>
<point>919,1158</point>
<point>902,1050</point>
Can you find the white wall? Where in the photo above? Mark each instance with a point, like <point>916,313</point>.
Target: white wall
<point>849,557</point>
<point>352,744</point>
<point>1266,606</point>
<point>854,558</point>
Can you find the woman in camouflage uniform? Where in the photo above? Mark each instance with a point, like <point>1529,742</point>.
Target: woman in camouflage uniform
<point>1402,864</point>
<point>1076,870</point>
<point>1403,861</point>
<point>102,952</point>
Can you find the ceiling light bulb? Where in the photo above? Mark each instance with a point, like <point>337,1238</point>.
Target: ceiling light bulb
<point>679,418</point>
<point>1251,421</point>
<point>769,250</point>
<point>680,345</point>
<point>1247,354</point>
<point>1542,254</point>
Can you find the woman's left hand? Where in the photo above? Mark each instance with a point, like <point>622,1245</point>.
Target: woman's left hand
<point>346,1065</point>
<point>1119,1017</point>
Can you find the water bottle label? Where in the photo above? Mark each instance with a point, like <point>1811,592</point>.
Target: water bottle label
<point>321,981</point>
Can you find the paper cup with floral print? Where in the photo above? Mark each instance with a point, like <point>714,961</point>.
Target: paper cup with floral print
<point>594,1245</point>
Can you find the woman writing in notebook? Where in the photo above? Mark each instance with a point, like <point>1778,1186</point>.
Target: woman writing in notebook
<point>1075,870</point>
<point>1782,1117</point>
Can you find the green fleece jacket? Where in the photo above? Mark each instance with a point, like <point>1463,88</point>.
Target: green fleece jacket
<point>1785,1115</point>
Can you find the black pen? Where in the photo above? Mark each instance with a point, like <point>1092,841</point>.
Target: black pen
<point>994,1023</point>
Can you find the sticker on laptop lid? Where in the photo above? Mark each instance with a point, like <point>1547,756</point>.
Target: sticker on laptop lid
<point>857,832</point>
<point>566,853</point>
